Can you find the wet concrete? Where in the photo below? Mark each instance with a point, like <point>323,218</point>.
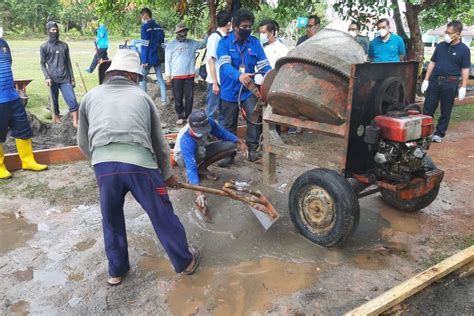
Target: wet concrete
<point>54,262</point>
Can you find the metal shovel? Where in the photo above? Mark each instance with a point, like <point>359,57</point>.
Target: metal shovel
<point>259,204</point>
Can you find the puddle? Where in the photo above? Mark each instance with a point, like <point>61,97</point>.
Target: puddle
<point>249,287</point>
<point>24,275</point>
<point>400,221</point>
<point>84,245</point>
<point>14,232</point>
<point>378,257</point>
<point>20,308</point>
<point>50,278</point>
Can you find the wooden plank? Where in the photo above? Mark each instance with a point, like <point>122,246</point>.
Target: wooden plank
<point>465,101</point>
<point>47,156</point>
<point>269,159</point>
<point>406,289</point>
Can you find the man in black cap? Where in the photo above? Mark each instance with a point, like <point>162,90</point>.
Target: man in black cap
<point>57,69</point>
<point>194,151</point>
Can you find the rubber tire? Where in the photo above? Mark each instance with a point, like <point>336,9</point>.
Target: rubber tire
<point>409,206</point>
<point>346,206</point>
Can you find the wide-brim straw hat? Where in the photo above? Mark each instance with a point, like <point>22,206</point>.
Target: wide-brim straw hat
<point>126,60</point>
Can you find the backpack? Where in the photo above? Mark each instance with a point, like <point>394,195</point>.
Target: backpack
<point>202,68</point>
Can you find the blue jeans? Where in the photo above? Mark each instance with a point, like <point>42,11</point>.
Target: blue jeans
<point>159,77</point>
<point>213,103</point>
<point>68,94</point>
<point>115,180</point>
<point>13,116</point>
<point>442,92</point>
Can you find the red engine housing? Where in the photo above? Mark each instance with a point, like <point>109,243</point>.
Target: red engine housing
<point>404,127</point>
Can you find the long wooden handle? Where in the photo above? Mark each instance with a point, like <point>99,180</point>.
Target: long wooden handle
<point>202,189</point>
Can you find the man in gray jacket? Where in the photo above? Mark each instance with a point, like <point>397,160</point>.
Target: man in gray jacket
<point>120,131</point>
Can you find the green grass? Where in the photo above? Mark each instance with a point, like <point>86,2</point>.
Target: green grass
<point>26,65</point>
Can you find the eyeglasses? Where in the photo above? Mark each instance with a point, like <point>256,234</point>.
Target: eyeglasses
<point>310,26</point>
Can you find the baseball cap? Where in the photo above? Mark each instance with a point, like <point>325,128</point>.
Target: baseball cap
<point>199,122</point>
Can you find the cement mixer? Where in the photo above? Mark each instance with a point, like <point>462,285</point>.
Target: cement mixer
<point>325,87</point>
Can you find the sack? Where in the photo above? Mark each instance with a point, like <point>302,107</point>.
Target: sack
<point>202,69</point>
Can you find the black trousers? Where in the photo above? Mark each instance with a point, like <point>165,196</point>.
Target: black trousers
<point>183,93</point>
<point>100,54</point>
<point>231,117</point>
<point>441,91</point>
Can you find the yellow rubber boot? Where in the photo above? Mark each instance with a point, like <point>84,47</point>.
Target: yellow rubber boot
<point>4,174</point>
<point>25,151</point>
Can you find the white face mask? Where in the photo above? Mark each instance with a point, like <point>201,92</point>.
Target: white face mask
<point>263,38</point>
<point>383,32</point>
<point>447,38</point>
<point>1,32</point>
<point>143,21</point>
<point>352,33</point>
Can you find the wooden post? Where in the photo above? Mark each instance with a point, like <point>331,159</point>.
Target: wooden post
<point>269,158</point>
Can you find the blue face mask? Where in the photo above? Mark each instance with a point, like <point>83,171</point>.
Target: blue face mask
<point>244,33</point>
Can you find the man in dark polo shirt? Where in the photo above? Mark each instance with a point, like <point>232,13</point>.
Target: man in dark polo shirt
<point>387,46</point>
<point>314,23</point>
<point>451,60</point>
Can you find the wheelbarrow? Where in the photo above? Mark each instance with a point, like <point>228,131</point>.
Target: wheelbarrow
<point>20,86</point>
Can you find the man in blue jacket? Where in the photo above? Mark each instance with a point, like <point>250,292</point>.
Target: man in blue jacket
<point>195,152</point>
<point>152,54</point>
<point>240,55</point>
<point>13,116</point>
<point>101,45</point>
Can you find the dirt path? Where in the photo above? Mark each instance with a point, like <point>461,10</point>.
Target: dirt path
<point>52,259</point>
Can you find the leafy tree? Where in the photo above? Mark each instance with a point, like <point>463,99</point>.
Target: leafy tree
<point>433,12</point>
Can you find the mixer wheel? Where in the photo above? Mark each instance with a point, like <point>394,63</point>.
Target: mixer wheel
<point>323,207</point>
<point>416,204</point>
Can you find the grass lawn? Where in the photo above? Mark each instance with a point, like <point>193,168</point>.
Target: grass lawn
<point>26,65</point>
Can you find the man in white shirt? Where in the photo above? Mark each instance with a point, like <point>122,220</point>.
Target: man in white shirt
<point>213,88</point>
<point>274,49</point>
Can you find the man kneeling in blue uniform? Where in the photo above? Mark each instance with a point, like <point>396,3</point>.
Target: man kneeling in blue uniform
<point>195,151</point>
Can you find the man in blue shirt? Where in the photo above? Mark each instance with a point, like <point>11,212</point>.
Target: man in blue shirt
<point>451,60</point>
<point>240,55</point>
<point>195,152</point>
<point>387,46</point>
<point>152,54</point>
<point>101,45</point>
<point>13,116</point>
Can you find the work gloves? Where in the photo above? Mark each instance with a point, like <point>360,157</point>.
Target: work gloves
<point>424,86</point>
<point>461,93</point>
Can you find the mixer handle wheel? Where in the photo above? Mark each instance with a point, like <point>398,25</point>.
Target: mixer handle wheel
<point>391,96</point>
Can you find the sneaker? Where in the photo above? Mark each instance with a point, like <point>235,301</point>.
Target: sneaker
<point>292,130</point>
<point>88,70</point>
<point>180,122</point>
<point>437,138</point>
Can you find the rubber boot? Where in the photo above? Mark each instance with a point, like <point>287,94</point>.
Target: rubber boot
<point>25,151</point>
<point>254,155</point>
<point>4,174</point>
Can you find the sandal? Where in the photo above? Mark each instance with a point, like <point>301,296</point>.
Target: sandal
<point>113,281</point>
<point>196,258</point>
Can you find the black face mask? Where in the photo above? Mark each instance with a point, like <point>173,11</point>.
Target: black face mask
<point>244,33</point>
<point>53,36</point>
<point>181,37</point>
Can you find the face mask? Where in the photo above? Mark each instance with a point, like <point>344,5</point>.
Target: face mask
<point>181,37</point>
<point>53,36</point>
<point>244,33</point>
<point>383,32</point>
<point>1,32</point>
<point>263,38</point>
<point>143,21</point>
<point>352,33</point>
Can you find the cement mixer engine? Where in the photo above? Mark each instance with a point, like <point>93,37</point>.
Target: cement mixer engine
<point>399,141</point>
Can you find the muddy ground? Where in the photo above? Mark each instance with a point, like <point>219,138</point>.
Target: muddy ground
<point>52,259</point>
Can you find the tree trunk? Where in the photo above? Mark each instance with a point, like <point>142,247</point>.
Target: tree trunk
<point>416,49</point>
<point>213,4</point>
<point>398,20</point>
